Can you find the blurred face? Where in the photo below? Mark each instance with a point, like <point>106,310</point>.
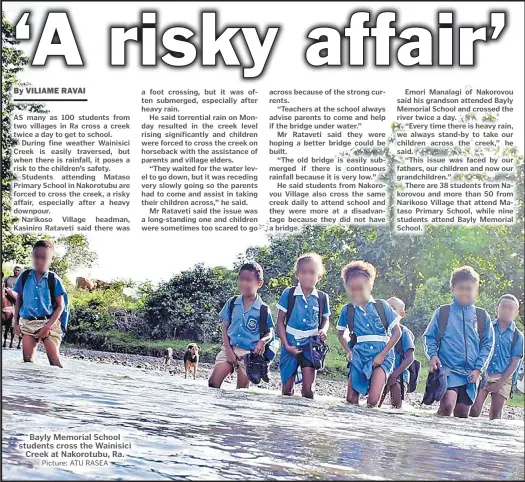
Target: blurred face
<point>308,274</point>
<point>16,271</point>
<point>397,307</point>
<point>507,310</point>
<point>465,292</point>
<point>359,288</point>
<point>42,258</point>
<point>248,283</point>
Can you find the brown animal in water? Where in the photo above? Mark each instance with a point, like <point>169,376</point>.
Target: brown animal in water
<point>191,359</point>
<point>168,357</point>
<point>85,284</point>
<point>102,285</point>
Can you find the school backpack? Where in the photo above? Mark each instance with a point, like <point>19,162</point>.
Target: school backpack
<point>51,283</point>
<point>414,368</point>
<point>292,299</point>
<point>272,346</point>
<point>350,318</point>
<point>444,312</point>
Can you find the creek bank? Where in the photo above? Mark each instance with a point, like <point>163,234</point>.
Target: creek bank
<point>324,387</point>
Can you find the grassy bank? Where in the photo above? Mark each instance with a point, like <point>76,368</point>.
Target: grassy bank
<point>336,365</point>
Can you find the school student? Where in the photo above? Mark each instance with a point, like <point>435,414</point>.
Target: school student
<point>502,371</point>
<point>460,338</point>
<point>303,319</point>
<point>397,383</point>
<point>39,306</point>
<point>374,330</point>
<point>241,319</point>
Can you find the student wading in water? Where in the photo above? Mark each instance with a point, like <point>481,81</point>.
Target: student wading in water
<point>302,321</point>
<point>374,331</point>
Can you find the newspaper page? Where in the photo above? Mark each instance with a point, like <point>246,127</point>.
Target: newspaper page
<point>262,240</point>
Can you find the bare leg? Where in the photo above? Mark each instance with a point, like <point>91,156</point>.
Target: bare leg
<point>395,395</point>
<point>289,386</point>
<point>447,404</point>
<point>29,344</point>
<point>52,352</point>
<point>352,396</point>
<point>461,410</point>
<point>220,372</point>
<point>377,385</point>
<point>242,380</point>
<point>496,406</point>
<point>477,408</point>
<point>308,387</point>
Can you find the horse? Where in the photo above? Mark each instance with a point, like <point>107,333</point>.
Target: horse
<point>7,318</point>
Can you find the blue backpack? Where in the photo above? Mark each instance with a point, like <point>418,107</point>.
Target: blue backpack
<point>51,283</point>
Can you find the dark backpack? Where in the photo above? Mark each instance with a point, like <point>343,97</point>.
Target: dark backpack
<point>413,369</point>
<point>444,312</point>
<point>350,318</point>
<point>292,299</point>
<point>51,284</point>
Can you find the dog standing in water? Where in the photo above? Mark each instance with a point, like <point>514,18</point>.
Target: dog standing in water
<point>168,357</point>
<point>191,359</point>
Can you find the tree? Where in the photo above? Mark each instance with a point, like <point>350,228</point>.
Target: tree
<point>188,305</point>
<point>71,253</point>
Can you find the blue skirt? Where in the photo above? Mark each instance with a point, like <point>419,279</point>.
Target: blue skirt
<point>288,365</point>
<point>361,364</point>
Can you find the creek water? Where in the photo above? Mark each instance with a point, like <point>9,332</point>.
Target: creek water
<point>181,429</point>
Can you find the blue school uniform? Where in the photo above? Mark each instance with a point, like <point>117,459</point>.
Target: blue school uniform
<point>503,353</point>
<point>371,340</point>
<point>460,349</point>
<point>36,296</point>
<point>244,330</point>
<point>407,343</point>
<point>302,324</point>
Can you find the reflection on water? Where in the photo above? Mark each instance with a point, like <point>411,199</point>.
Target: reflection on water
<point>183,430</point>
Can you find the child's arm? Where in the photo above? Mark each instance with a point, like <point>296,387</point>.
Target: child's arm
<point>407,361</point>
<point>281,330</point>
<point>485,351</point>
<point>325,324</point>
<point>44,331</point>
<point>16,315</point>
<point>430,343</point>
<point>394,338</point>
<point>344,344</point>
<point>496,387</point>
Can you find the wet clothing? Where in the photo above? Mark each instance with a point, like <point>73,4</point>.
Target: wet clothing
<point>302,323</point>
<point>407,343</point>
<point>31,328</point>
<point>36,298</point>
<point>435,387</point>
<point>504,351</point>
<point>505,389</point>
<point>460,349</point>
<point>240,353</point>
<point>371,340</point>
<point>463,394</point>
<point>243,329</point>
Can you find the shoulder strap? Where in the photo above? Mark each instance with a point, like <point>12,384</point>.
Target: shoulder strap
<point>322,304</point>
<point>481,317</point>
<point>380,308</point>
<point>514,339</point>
<point>24,276</point>
<point>51,283</point>
<point>231,306</point>
<point>399,344</point>
<point>263,319</point>
<point>444,312</point>
<point>350,312</point>
<point>291,302</point>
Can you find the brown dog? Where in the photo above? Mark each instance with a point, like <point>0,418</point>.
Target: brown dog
<point>191,359</point>
<point>168,357</point>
